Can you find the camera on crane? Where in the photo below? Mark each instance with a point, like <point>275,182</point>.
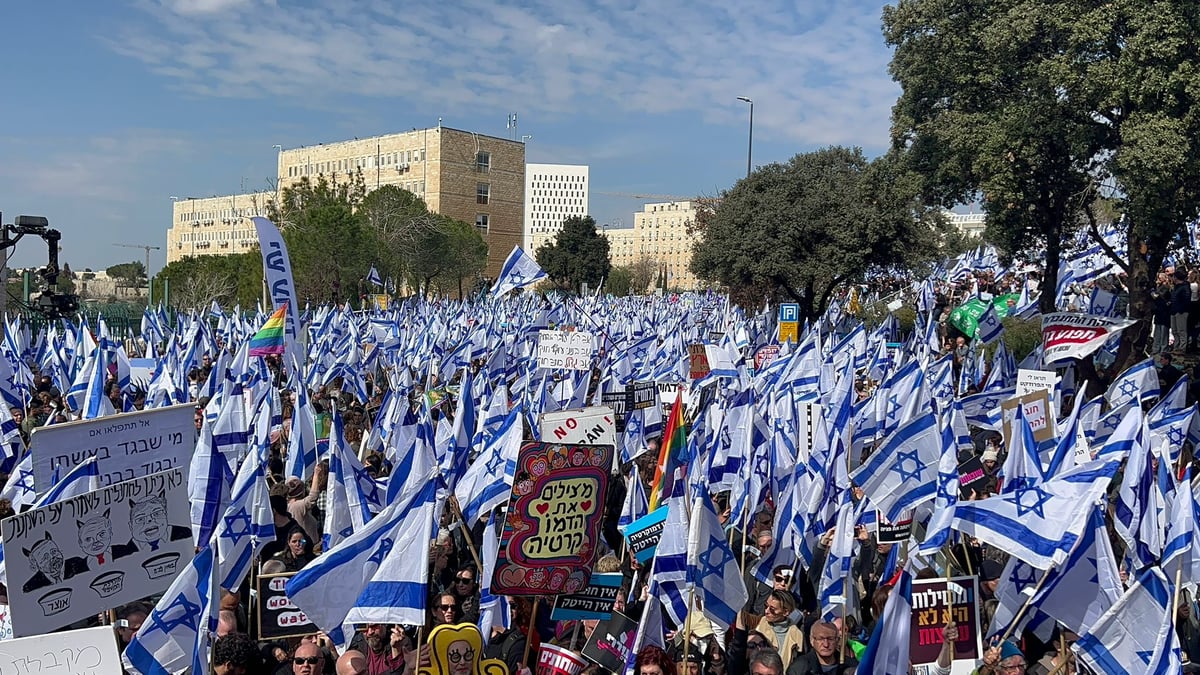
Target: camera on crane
<point>47,300</point>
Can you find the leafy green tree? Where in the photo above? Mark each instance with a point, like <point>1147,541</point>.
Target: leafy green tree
<point>578,255</point>
<point>446,255</point>
<point>196,281</point>
<point>400,220</point>
<point>796,231</point>
<point>130,273</point>
<point>619,281</point>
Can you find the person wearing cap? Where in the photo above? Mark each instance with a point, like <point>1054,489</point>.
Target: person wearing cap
<point>989,577</point>
<point>1002,659</point>
<point>688,661</point>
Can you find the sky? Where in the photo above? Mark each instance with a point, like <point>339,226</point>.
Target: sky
<point>107,109</point>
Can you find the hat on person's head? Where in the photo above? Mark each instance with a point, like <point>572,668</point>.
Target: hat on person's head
<point>989,455</point>
<point>990,570</point>
<point>295,488</point>
<point>1009,650</point>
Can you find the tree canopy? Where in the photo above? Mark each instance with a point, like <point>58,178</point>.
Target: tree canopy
<point>797,230</point>
<point>578,255</point>
<point>130,273</point>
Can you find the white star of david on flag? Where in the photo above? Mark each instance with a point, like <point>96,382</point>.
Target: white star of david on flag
<point>519,271</point>
<point>712,567</point>
<point>903,471</point>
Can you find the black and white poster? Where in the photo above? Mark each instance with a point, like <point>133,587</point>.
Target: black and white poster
<point>277,616</point>
<point>82,556</point>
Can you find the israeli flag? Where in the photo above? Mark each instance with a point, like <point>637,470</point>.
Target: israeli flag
<point>176,634</point>
<point>712,567</point>
<point>989,327</point>
<point>519,271</point>
<point>903,472</point>
<point>1139,383</point>
<point>1136,635</point>
<point>373,277</point>
<point>82,479</point>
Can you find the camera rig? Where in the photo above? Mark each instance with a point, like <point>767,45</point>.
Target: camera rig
<point>48,301</point>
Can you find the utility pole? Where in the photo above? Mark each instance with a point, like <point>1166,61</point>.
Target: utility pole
<point>149,287</point>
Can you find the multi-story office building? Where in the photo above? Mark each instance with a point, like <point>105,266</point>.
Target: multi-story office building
<point>472,177</point>
<point>659,234</point>
<point>970,224</point>
<point>214,225</point>
<point>553,193</point>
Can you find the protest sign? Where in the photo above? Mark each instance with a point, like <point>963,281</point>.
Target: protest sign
<point>636,396</point>
<point>594,602</point>
<point>84,555</point>
<point>697,361</point>
<point>126,446</point>
<point>965,317</point>
<point>1036,408</point>
<point>936,602</point>
<point>1067,335</point>
<point>893,533</point>
<point>589,426</point>
<point>554,660</point>
<point>87,651</point>
<point>643,534</point>
<point>971,477</point>
<point>564,349</point>
<point>1029,381</point>
<point>552,529</point>
<point>611,643</point>
<point>277,616</point>
<point>764,355</point>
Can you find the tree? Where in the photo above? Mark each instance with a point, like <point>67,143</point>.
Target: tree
<point>400,221</point>
<point>578,255</point>
<point>196,281</point>
<point>798,230</point>
<point>130,273</point>
<point>620,281</point>
<point>642,273</point>
<point>446,254</point>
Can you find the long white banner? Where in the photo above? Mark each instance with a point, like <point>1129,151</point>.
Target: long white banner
<point>278,269</point>
<point>1067,335</point>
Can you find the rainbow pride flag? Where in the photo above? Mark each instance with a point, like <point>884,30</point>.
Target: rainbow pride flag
<point>670,454</point>
<point>269,339</point>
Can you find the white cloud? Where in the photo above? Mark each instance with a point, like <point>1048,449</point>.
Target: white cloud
<point>816,71</point>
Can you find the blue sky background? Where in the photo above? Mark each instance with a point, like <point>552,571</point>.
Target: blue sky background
<point>109,108</point>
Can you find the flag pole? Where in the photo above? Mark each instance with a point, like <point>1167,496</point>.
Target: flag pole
<point>1024,607</point>
<point>466,532</point>
<point>687,631</point>
<point>529,632</point>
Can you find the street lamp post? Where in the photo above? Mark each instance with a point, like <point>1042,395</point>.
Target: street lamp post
<point>750,146</point>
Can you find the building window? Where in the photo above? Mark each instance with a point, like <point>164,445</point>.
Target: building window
<point>481,223</point>
<point>483,161</point>
<point>482,192</point>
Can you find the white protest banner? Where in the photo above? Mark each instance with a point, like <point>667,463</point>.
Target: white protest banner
<point>590,426</point>
<point>126,446</point>
<point>1029,381</point>
<point>277,268</point>
<point>564,349</point>
<point>76,558</point>
<point>1068,335</point>
<point>87,651</point>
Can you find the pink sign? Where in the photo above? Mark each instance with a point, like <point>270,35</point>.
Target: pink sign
<point>558,661</point>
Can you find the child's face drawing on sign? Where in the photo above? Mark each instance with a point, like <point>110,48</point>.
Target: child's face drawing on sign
<point>148,520</point>
<point>47,558</point>
<point>95,534</point>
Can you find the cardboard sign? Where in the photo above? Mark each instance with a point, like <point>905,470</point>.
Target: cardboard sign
<point>764,355</point>
<point>277,616</point>
<point>564,349</point>
<point>126,446</point>
<point>590,426</point>
<point>82,556</point>
<point>552,528</point>
<point>595,602</point>
<point>87,651</point>
<point>697,362</point>
<point>893,533</point>
<point>971,477</point>
<point>611,643</point>
<point>1036,408</point>
<point>643,534</point>
<point>554,660</point>
<point>1029,381</point>
<point>933,606</point>
<point>1067,335</point>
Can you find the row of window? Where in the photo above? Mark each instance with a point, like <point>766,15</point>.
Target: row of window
<point>556,199</point>
<point>397,159</point>
<point>563,179</point>
<point>219,214</point>
<point>558,193</point>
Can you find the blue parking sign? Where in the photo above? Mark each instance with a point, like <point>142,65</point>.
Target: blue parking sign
<point>789,311</point>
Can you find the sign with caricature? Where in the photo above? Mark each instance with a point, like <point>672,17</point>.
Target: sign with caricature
<point>84,555</point>
<point>555,512</point>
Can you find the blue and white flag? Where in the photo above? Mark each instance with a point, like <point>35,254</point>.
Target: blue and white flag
<point>175,637</point>
<point>277,267</point>
<point>519,271</point>
<point>373,276</point>
<point>247,524</point>
<point>493,610</point>
<point>1139,383</point>
<point>937,532</point>
<point>1180,550</point>
<point>903,471</point>
<point>1136,636</point>
<point>887,651</point>
<point>488,481</point>
<point>1039,524</point>
<point>19,490</point>
<point>671,557</point>
<point>712,567</point>
<point>989,328</point>
<point>380,574</point>
<point>82,479</point>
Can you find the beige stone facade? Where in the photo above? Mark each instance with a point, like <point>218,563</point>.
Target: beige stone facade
<point>214,225</point>
<point>472,177</point>
<point>660,234</point>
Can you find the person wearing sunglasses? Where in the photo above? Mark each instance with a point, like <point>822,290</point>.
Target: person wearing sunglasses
<point>308,659</point>
<point>444,609</point>
<point>466,591</point>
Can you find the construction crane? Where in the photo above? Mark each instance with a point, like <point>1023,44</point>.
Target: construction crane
<point>147,249</point>
<point>669,198</point>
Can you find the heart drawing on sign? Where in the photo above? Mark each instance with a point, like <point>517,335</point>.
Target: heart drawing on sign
<point>512,577</point>
<point>542,508</point>
<point>586,505</point>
